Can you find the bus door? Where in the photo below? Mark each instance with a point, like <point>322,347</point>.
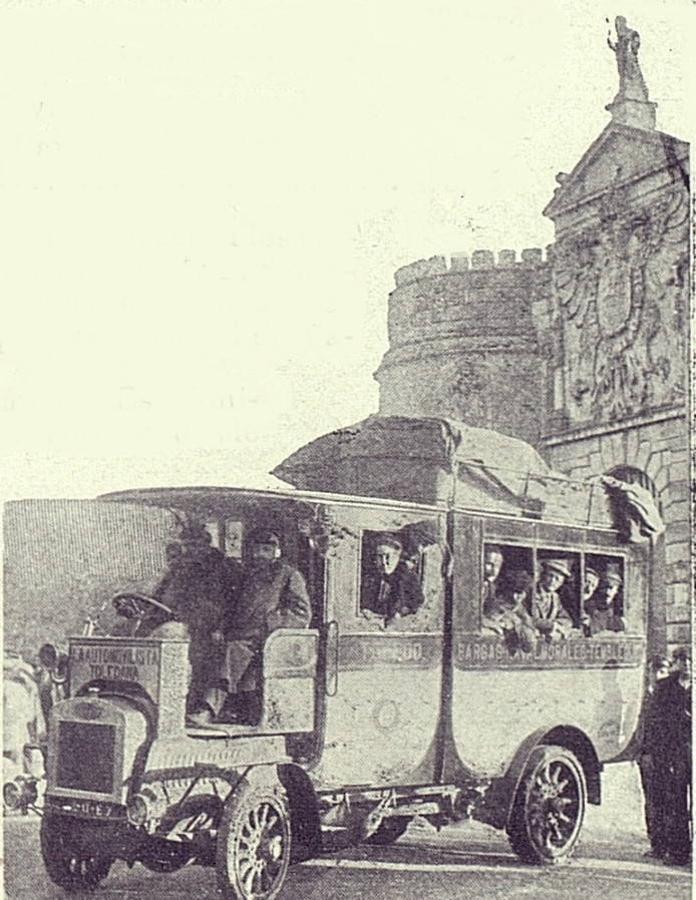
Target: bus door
<point>385,589</point>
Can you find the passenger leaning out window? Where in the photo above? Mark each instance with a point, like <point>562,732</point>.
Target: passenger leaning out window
<point>549,616</point>
<point>602,610</point>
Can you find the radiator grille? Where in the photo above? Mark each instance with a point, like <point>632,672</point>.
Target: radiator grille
<point>86,757</point>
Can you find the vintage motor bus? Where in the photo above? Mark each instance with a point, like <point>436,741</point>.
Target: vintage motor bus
<point>364,721</point>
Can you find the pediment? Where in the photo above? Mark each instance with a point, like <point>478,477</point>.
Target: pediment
<point>621,154</point>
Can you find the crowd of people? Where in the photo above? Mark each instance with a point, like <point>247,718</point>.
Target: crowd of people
<point>522,610</point>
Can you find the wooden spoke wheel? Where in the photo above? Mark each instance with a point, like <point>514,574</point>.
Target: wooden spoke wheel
<point>71,861</point>
<point>253,843</point>
<point>549,807</point>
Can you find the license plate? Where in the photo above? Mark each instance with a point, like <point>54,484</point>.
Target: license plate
<point>94,809</point>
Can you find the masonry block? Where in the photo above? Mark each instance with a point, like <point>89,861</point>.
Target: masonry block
<point>459,262</point>
<point>482,259</point>
<point>678,634</point>
<point>677,552</point>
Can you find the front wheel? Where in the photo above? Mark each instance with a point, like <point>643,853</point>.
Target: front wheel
<point>73,860</point>
<point>253,843</point>
<point>549,807</point>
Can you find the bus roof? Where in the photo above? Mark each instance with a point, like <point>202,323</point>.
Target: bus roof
<point>223,500</point>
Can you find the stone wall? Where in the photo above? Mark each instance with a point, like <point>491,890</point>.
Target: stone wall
<point>462,341</point>
<point>658,446</point>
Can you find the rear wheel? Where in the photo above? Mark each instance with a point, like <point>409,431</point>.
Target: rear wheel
<point>389,831</point>
<point>253,843</point>
<point>549,807</point>
<point>72,858</point>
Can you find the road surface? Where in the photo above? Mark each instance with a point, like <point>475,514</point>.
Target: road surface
<point>460,861</point>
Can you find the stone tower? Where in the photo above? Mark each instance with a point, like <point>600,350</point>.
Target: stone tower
<point>463,342</point>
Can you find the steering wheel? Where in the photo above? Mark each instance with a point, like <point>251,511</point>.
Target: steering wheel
<point>137,606</point>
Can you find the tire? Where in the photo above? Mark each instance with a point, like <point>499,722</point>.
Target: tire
<point>72,861</point>
<point>254,843</point>
<point>389,830</point>
<point>549,807</point>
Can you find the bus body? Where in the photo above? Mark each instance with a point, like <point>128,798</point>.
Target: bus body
<point>364,723</point>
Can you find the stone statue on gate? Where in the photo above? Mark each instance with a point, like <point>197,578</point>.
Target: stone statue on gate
<point>625,47</point>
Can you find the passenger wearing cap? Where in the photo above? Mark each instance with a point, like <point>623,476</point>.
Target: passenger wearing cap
<point>601,612</point>
<point>392,588</point>
<point>549,616</point>
<point>273,595</point>
<point>668,741</point>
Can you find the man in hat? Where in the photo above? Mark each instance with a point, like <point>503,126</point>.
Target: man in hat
<point>273,595</point>
<point>548,615</point>
<point>508,618</point>
<point>659,670</point>
<point>668,741</point>
<point>392,588</point>
<point>601,612</point>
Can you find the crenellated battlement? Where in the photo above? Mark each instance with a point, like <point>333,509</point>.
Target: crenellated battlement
<point>530,258</point>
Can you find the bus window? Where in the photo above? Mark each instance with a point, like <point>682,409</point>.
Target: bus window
<point>500,561</point>
<point>392,566</point>
<point>507,585</point>
<point>555,606</point>
<point>603,600</point>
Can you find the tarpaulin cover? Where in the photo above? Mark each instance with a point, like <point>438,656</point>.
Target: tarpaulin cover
<point>434,460</point>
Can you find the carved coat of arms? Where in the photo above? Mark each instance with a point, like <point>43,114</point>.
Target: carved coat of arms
<point>611,282</point>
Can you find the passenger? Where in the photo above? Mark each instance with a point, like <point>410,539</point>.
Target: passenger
<point>550,618</point>
<point>199,587</point>
<point>589,586</point>
<point>392,588</point>
<point>601,612</point>
<point>273,595</point>
<point>508,617</point>
<point>492,564</point>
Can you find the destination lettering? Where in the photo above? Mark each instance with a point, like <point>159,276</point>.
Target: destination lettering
<point>114,663</point>
<point>473,652</point>
<point>359,652</point>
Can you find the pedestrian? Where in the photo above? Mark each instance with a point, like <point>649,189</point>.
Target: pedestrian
<point>668,741</point>
<point>659,670</point>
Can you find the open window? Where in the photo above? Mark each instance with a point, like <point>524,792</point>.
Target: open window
<point>604,604</point>
<point>501,565</point>
<point>396,568</point>
<point>559,572</point>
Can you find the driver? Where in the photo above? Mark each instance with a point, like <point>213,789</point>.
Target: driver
<point>273,595</point>
<point>199,587</point>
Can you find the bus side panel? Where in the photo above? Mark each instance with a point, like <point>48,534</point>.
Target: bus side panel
<point>381,722</point>
<point>499,696</point>
<point>507,703</point>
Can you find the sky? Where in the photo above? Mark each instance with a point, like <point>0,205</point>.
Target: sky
<point>203,204</point>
